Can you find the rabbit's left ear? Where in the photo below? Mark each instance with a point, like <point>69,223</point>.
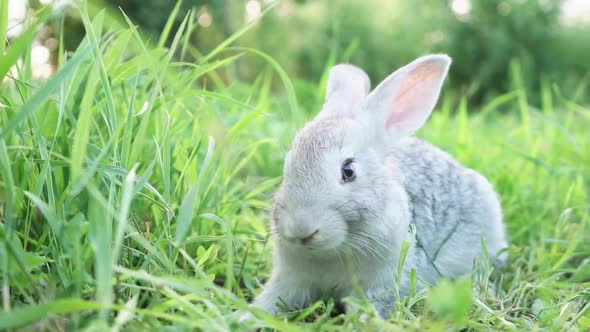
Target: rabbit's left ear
<point>405,99</point>
<point>347,87</point>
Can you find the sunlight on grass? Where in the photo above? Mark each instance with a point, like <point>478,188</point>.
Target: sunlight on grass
<point>135,188</point>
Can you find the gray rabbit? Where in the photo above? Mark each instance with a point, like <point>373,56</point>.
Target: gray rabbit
<point>356,183</point>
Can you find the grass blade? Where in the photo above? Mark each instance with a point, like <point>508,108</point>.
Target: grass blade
<point>26,315</point>
<point>17,48</point>
<point>128,192</point>
<point>45,92</point>
<point>3,27</point>
<point>169,22</point>
<point>187,207</point>
<point>223,45</point>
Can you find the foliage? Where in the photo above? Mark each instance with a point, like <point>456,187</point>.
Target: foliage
<point>452,301</point>
<point>493,34</point>
<point>484,44</point>
<point>118,211</point>
<point>152,15</point>
<point>379,35</point>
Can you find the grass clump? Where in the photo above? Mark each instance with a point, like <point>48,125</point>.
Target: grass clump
<point>134,189</point>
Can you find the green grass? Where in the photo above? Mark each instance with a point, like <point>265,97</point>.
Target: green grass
<point>135,186</point>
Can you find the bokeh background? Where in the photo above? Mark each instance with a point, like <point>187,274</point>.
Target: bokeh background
<point>141,142</point>
<point>495,44</point>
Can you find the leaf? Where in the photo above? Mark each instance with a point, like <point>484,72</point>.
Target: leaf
<point>452,300</point>
<point>298,116</point>
<point>187,207</point>
<point>203,256</point>
<point>122,217</point>
<point>17,48</point>
<point>47,212</point>
<point>169,23</point>
<point>45,92</point>
<point>23,316</point>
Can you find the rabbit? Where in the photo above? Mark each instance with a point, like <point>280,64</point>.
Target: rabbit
<point>357,185</point>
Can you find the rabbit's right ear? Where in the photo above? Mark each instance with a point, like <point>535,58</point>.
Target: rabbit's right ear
<point>347,87</point>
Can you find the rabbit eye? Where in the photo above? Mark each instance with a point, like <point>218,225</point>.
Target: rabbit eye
<point>347,170</point>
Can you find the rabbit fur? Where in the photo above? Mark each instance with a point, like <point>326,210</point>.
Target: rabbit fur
<point>330,235</point>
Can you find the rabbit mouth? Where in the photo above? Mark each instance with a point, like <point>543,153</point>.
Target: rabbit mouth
<point>304,240</point>
<point>327,238</point>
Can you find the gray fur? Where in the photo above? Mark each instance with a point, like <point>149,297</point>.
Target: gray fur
<point>330,235</point>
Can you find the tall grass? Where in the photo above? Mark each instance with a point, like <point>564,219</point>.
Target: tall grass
<point>134,189</point>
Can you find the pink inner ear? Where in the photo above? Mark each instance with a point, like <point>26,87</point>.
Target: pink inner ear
<point>413,93</point>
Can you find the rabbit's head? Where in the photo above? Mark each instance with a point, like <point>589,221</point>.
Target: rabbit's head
<point>340,187</point>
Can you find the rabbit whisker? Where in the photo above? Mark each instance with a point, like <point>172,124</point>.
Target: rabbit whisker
<point>339,257</point>
<point>353,248</point>
<point>370,250</point>
<point>366,236</point>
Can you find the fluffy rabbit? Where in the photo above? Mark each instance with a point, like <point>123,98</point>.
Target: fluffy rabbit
<point>355,182</point>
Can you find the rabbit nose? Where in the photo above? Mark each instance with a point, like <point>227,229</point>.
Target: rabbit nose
<point>301,236</point>
<point>306,237</point>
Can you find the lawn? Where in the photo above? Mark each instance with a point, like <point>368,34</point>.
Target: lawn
<point>135,187</point>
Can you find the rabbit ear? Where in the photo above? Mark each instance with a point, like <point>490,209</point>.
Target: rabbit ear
<point>405,99</point>
<point>347,87</point>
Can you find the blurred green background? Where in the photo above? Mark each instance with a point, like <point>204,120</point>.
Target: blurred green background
<point>495,44</point>
<point>136,178</point>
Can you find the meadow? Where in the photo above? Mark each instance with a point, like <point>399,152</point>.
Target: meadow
<point>135,187</point>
